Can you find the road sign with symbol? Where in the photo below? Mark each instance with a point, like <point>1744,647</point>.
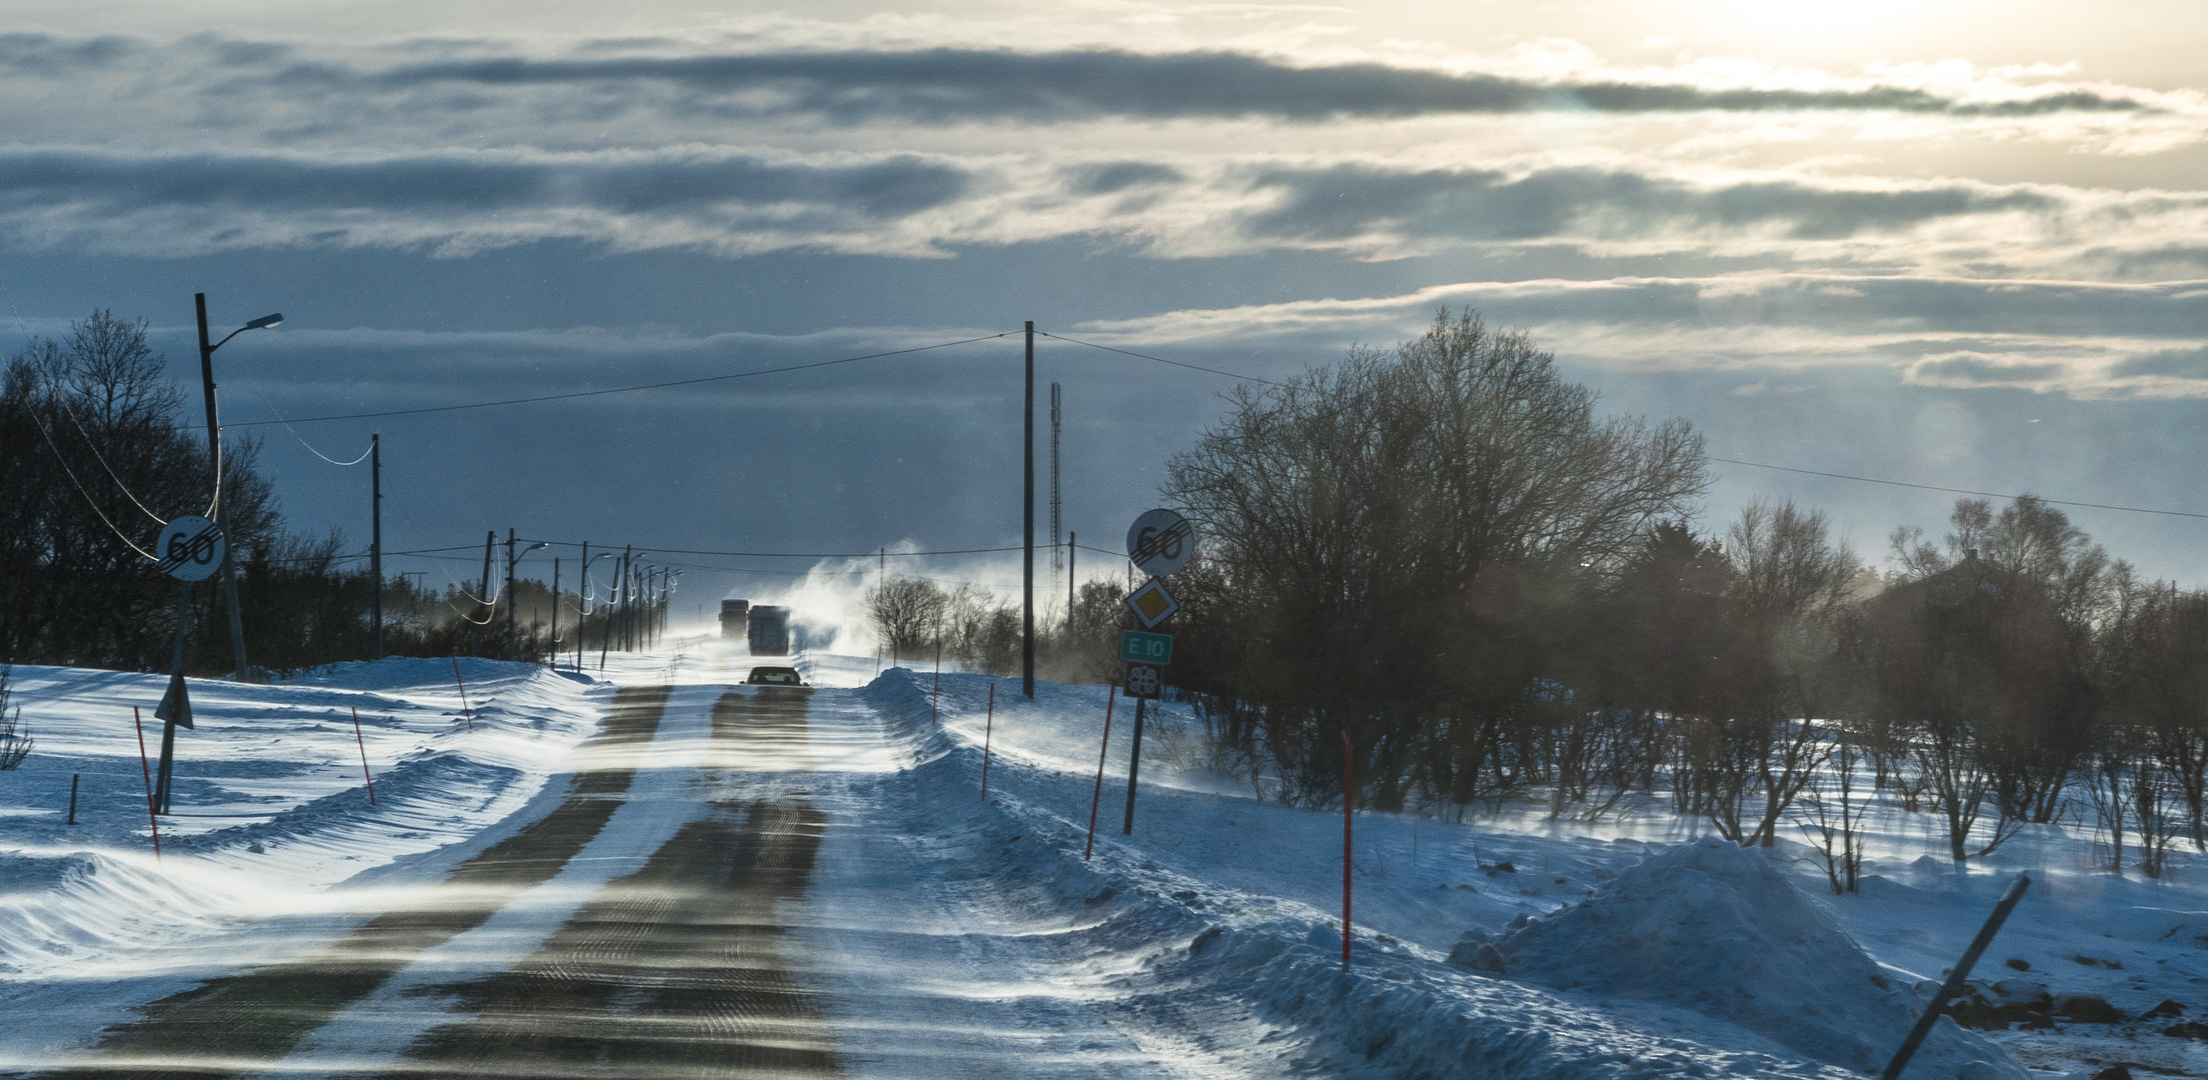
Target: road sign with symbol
<point>1144,681</point>
<point>190,548</point>
<point>1152,603</point>
<point>1137,647</point>
<point>1161,542</point>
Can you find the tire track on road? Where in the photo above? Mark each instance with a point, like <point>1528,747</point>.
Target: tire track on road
<point>242,1023</point>
<point>679,970</point>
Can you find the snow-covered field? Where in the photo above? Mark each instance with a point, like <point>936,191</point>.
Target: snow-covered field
<point>956,935</point>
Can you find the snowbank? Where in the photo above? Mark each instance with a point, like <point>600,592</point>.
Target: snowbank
<point>1715,928</point>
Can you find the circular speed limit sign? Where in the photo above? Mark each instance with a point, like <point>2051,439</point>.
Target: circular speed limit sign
<point>1161,542</point>
<point>190,548</point>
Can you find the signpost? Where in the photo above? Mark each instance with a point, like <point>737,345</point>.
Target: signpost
<point>1160,542</point>
<point>190,548</point>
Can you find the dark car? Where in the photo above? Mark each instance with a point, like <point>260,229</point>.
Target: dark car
<point>775,676</point>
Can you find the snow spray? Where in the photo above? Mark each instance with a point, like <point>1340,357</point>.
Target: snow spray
<point>937,693</point>
<point>363,757</point>
<point>987,729</point>
<point>1349,802</point>
<point>1098,798</point>
<point>464,692</point>
<point>151,818</point>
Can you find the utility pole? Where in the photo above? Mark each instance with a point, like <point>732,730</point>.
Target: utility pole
<point>510,605</point>
<point>1027,561</point>
<point>582,606</point>
<point>1070,597</point>
<point>222,494</point>
<point>554,648</point>
<point>484,597</point>
<point>375,532</point>
<point>1057,525</point>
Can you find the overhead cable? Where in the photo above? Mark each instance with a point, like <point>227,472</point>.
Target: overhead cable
<point>1957,491</point>
<point>1163,360</point>
<point>631,389</point>
<point>303,440</point>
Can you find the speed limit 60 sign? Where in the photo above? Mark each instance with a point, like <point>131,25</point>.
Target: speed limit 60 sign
<point>190,548</point>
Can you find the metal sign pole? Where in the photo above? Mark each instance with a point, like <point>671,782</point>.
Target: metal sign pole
<point>176,684</point>
<point>1134,769</point>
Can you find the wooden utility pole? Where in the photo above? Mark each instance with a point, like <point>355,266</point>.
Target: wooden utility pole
<point>489,538</point>
<point>1027,560</point>
<point>510,644</point>
<point>375,533</point>
<point>222,494</point>
<point>554,647</point>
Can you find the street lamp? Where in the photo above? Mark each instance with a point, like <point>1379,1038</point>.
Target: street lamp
<point>222,490</point>
<point>513,560</point>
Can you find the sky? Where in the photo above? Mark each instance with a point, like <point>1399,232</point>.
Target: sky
<point>1947,243</point>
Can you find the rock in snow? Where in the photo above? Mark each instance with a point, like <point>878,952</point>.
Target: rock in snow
<point>1714,928</point>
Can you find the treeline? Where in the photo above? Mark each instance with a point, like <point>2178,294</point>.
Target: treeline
<point>1444,553</point>
<point>96,452</point>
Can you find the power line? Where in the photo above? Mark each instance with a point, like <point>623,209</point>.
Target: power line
<point>303,439</point>
<point>1163,360</point>
<point>624,389</point>
<point>1956,491</point>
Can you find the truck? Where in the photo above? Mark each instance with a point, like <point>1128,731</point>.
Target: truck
<point>735,619</point>
<point>770,630</point>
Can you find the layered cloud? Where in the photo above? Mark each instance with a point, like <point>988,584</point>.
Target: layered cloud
<point>737,201</point>
<point>2079,339</point>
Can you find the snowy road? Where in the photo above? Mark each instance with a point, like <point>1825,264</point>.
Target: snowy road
<point>724,880</point>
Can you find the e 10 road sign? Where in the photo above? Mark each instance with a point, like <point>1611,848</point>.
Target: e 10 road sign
<point>1137,647</point>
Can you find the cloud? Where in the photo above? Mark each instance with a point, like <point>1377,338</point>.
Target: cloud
<point>2171,363</point>
<point>200,201</point>
<point>945,85</point>
<point>1356,200</point>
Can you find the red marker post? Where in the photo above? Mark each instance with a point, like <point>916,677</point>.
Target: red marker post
<point>1349,803</point>
<point>364,757</point>
<point>1098,799</point>
<point>463,692</point>
<point>144,767</point>
<point>987,730</point>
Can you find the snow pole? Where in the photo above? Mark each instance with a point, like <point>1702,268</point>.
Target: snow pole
<point>1954,984</point>
<point>988,729</point>
<point>1349,802</point>
<point>73,797</point>
<point>146,768</point>
<point>1098,798</point>
<point>462,683</point>
<point>363,757</point>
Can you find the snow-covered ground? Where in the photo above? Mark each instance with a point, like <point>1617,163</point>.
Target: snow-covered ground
<point>957,935</point>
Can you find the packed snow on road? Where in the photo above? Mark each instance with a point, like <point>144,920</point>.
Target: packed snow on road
<point>815,880</point>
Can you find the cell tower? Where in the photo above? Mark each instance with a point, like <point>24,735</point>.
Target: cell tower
<point>1057,557</point>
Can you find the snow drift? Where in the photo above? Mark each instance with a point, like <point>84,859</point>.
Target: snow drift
<point>1715,928</point>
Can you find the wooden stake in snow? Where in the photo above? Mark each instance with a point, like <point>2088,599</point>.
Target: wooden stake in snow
<point>364,757</point>
<point>1954,985</point>
<point>463,693</point>
<point>143,766</point>
<point>987,730</point>
<point>1098,798</point>
<point>1349,803</point>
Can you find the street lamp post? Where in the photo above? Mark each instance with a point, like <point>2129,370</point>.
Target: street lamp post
<point>512,560</point>
<point>222,490</point>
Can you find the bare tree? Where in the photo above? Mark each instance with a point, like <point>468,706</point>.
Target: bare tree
<point>907,614</point>
<point>15,739</point>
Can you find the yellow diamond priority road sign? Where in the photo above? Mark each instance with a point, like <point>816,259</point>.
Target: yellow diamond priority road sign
<point>1152,603</point>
